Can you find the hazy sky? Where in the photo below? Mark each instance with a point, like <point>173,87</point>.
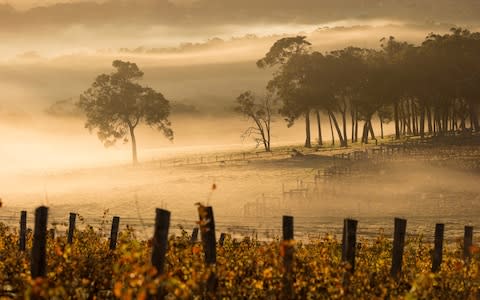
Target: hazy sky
<point>53,27</point>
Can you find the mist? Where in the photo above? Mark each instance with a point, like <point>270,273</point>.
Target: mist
<point>205,76</point>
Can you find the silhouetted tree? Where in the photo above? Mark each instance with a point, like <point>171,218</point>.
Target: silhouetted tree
<point>260,112</point>
<point>435,85</point>
<point>280,55</point>
<point>116,104</point>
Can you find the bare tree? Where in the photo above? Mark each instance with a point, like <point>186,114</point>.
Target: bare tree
<point>259,111</point>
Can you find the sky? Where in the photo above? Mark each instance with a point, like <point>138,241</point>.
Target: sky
<point>52,27</point>
<point>199,53</point>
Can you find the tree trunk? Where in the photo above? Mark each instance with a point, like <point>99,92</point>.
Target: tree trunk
<point>463,117</point>
<point>370,127</point>
<point>262,132</point>
<point>352,114</point>
<point>344,123</point>
<point>429,120</point>
<point>134,145</point>
<point>422,120</point>
<point>445,120</point>
<point>308,141</point>
<point>381,127</point>
<point>414,118</point>
<point>356,126</point>
<point>395,115</point>
<point>407,117</point>
<point>331,129</point>
<point>365,133</point>
<point>268,136</point>
<point>265,142</point>
<point>339,132</point>
<point>319,124</point>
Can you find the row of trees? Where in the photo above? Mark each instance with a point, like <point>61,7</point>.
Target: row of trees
<point>432,88</point>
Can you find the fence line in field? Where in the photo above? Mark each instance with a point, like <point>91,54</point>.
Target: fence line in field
<point>222,158</point>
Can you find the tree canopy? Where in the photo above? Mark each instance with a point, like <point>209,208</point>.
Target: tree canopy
<point>436,84</point>
<point>116,104</point>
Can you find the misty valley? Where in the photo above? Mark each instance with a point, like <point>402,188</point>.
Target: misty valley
<point>217,149</point>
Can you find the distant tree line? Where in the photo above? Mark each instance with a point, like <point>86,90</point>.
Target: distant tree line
<point>433,88</point>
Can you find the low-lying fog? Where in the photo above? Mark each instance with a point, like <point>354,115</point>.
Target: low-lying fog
<point>248,197</point>
<point>42,130</point>
<point>47,157</point>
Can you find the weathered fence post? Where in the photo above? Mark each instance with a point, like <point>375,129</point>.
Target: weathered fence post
<point>438,248</point>
<point>207,232</point>
<point>288,249</point>
<point>194,237</point>
<point>23,230</point>
<point>160,239</point>
<point>39,255</point>
<point>221,241</point>
<point>349,242</point>
<point>71,227</point>
<point>114,233</point>
<point>467,242</point>
<point>398,245</point>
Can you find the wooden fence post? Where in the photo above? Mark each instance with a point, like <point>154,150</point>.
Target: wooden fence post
<point>194,237</point>
<point>71,227</point>
<point>438,248</point>
<point>349,242</point>
<point>114,233</point>
<point>160,239</point>
<point>398,245</point>
<point>221,241</point>
<point>23,230</point>
<point>207,232</point>
<point>288,249</point>
<point>467,242</point>
<point>39,255</point>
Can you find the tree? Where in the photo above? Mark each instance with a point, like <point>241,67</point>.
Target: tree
<point>116,104</point>
<point>281,54</point>
<point>283,49</point>
<point>260,112</point>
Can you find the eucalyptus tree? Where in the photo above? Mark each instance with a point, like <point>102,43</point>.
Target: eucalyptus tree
<point>348,72</point>
<point>458,76</point>
<point>373,90</point>
<point>116,104</point>
<point>285,83</point>
<point>397,55</point>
